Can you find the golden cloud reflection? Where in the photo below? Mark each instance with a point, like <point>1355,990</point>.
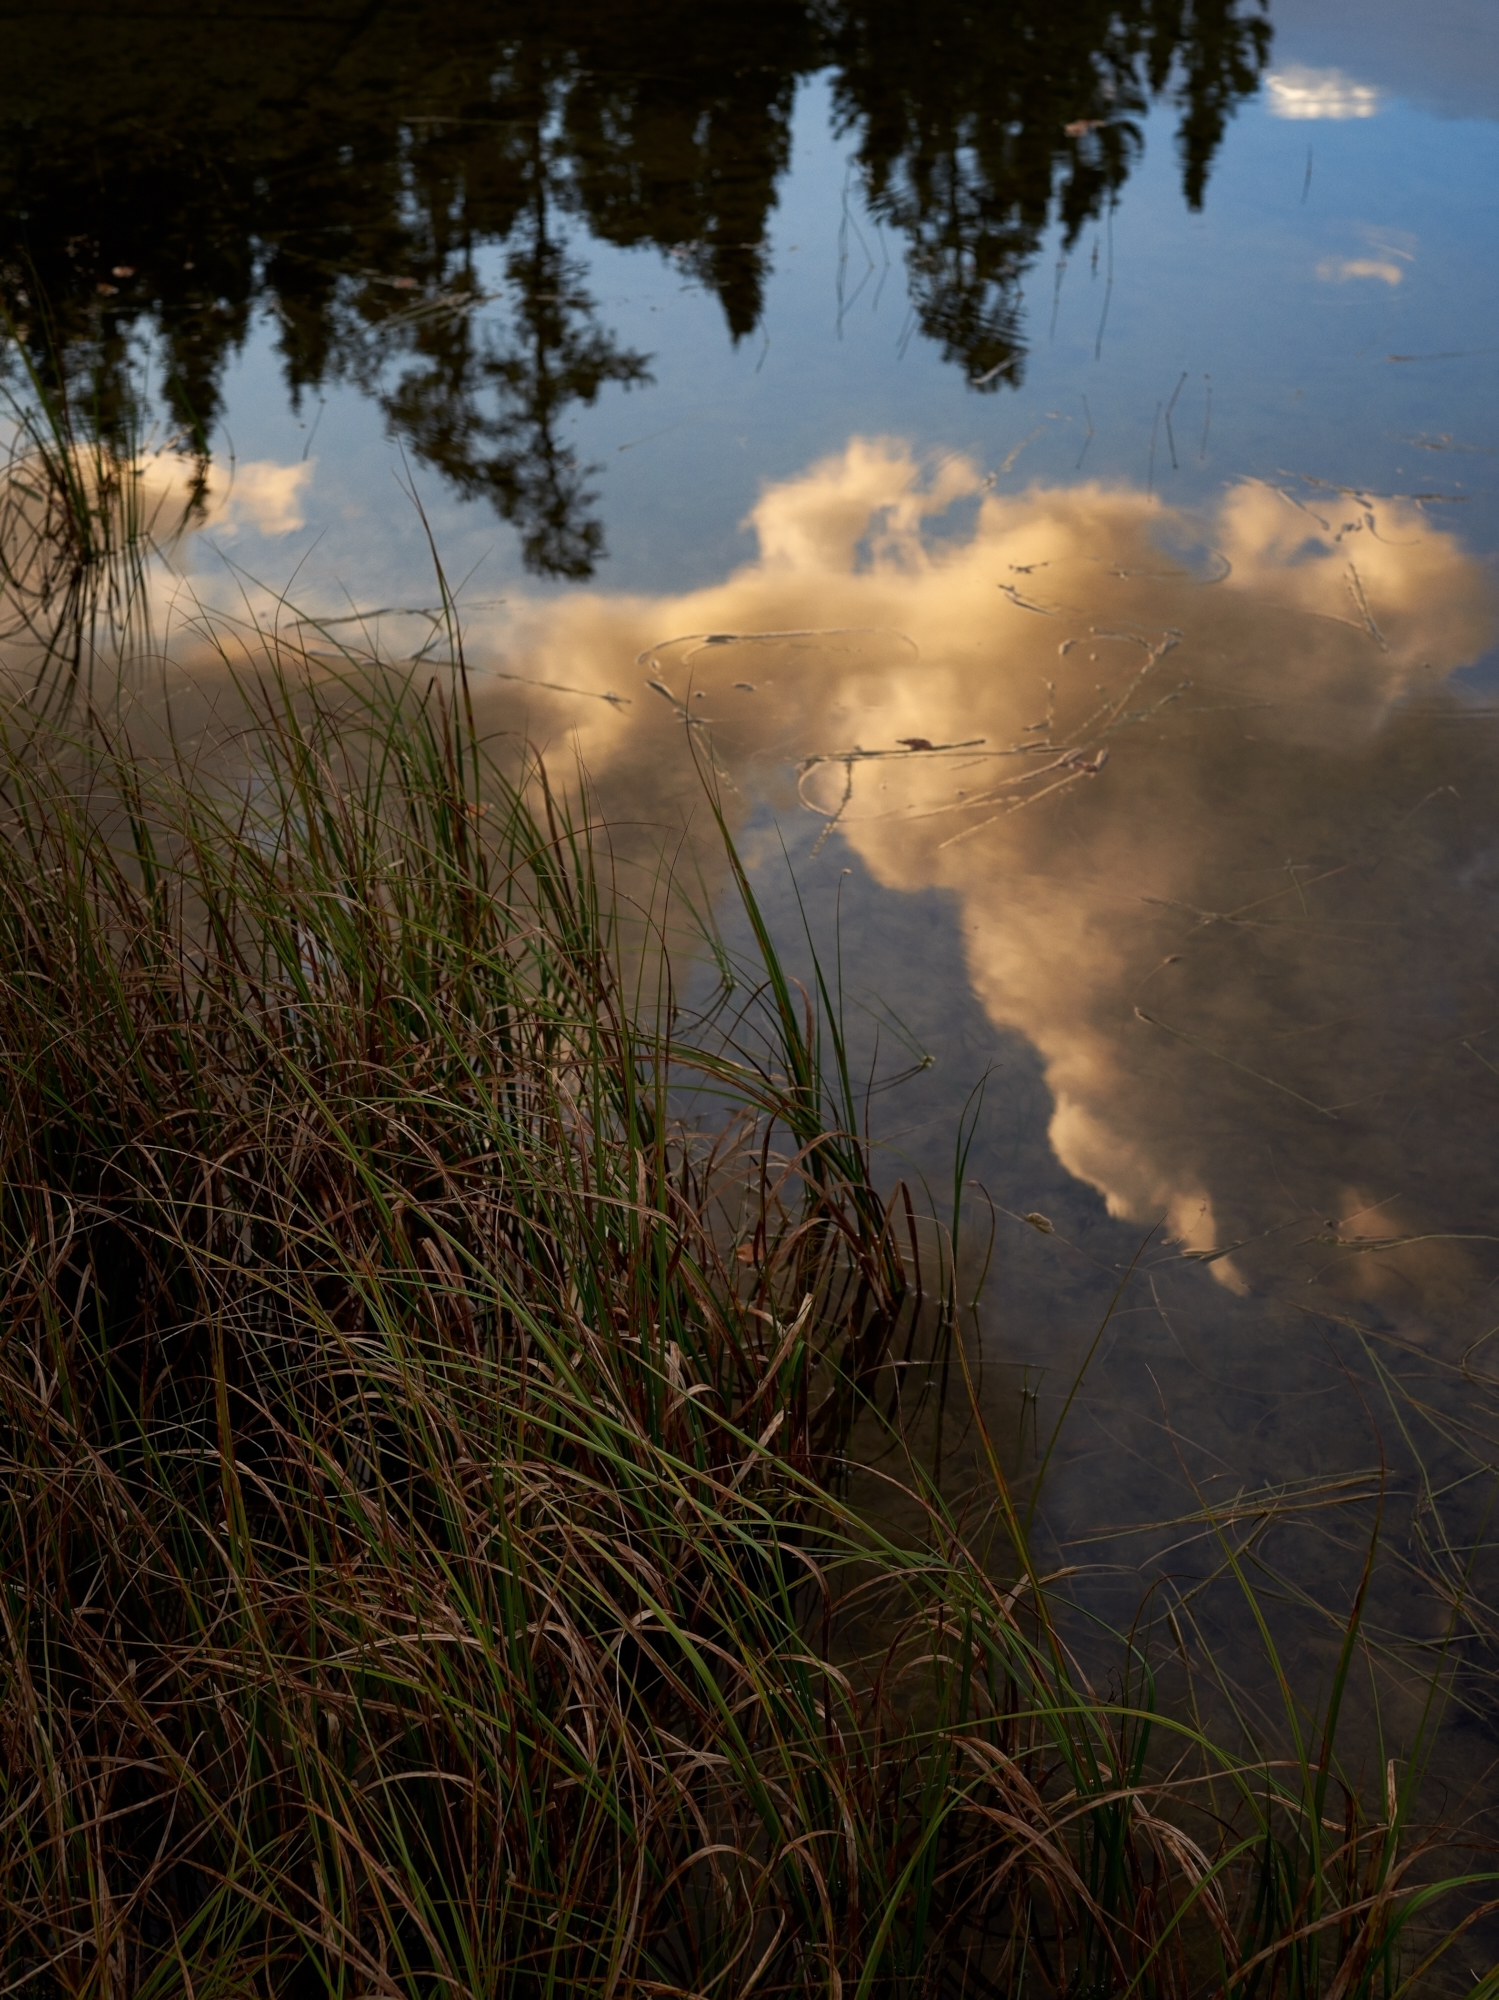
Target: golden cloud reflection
<point>1217,837</point>
<point>1216,831</point>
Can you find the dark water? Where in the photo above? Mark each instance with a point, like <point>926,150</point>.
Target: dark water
<point>1072,433</point>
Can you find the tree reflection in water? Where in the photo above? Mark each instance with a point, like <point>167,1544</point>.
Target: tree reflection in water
<point>344,170</point>
<point>975,131</point>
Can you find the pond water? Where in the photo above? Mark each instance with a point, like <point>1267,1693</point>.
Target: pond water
<point>1045,461</point>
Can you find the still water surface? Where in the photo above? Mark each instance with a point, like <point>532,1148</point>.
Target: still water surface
<point>1046,462</point>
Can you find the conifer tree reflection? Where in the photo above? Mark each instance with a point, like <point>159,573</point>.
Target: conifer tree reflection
<point>693,172</point>
<point>975,129</point>
<point>551,356</point>
<point>345,170</point>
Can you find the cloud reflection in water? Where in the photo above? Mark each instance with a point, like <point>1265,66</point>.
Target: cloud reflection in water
<point>1217,829</point>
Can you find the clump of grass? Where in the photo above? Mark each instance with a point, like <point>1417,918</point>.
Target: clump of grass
<point>393,1446</point>
<point>423,1568</point>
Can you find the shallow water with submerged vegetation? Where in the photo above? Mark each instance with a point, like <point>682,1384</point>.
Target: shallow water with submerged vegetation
<point>999,510</point>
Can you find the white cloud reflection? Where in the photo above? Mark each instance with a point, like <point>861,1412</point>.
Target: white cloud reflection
<point>1299,92</point>
<point>1338,270</point>
<point>265,497</point>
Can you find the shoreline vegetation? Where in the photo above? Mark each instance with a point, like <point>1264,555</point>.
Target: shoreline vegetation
<point>452,1427</point>
<point>428,1559</point>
